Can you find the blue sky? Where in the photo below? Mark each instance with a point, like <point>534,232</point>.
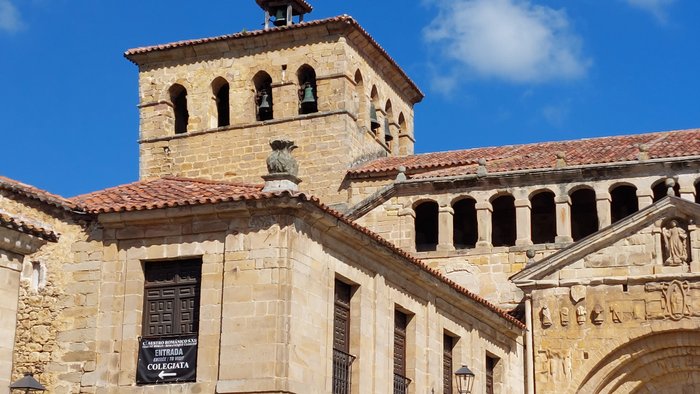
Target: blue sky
<point>494,72</point>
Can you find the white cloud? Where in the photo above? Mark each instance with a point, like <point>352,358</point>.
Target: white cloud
<point>10,19</point>
<point>513,40</point>
<point>655,7</point>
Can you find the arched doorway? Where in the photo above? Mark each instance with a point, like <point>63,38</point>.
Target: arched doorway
<point>666,362</point>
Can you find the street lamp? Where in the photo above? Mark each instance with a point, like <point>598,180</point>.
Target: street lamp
<point>465,380</point>
<point>27,384</point>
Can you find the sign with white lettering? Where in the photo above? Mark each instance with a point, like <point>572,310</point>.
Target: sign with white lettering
<point>167,360</point>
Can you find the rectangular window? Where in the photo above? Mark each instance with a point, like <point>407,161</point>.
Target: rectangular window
<point>447,367</point>
<point>490,367</point>
<point>401,382</point>
<point>171,300</point>
<point>342,360</point>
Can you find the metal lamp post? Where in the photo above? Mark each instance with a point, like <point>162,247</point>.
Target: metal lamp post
<point>465,380</point>
<point>27,384</point>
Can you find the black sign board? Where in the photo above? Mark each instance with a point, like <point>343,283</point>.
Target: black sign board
<point>167,360</point>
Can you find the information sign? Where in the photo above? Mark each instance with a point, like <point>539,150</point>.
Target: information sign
<point>167,360</point>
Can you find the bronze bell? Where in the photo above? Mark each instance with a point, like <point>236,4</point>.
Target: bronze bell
<point>264,108</point>
<point>281,17</point>
<point>387,131</point>
<point>374,122</point>
<point>308,101</point>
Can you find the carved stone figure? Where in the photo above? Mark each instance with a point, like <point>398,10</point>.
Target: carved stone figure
<point>564,316</point>
<point>615,312</point>
<point>580,314</point>
<point>675,244</point>
<point>280,160</point>
<point>597,315</point>
<point>546,317</point>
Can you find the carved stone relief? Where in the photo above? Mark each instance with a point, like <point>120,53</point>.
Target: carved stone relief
<point>675,302</point>
<point>546,317</point>
<point>616,313</point>
<point>564,316</point>
<point>675,243</point>
<point>578,293</point>
<point>597,315</point>
<point>580,314</point>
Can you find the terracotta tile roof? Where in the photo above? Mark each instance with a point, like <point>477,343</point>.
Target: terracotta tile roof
<point>35,193</point>
<point>164,192</point>
<point>172,192</point>
<point>301,4</point>
<point>590,151</point>
<point>418,94</point>
<point>24,226</point>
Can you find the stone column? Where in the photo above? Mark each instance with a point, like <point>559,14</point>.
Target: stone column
<point>523,223</point>
<point>694,255</point>
<point>563,218</point>
<point>602,200</point>
<point>483,218</point>
<point>644,198</point>
<point>10,266</point>
<point>407,228</point>
<point>445,228</point>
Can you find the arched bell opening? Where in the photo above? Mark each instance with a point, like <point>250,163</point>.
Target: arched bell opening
<point>543,218</point>
<point>221,90</point>
<point>374,123</point>
<point>697,192</point>
<point>426,226</point>
<point>178,98</point>
<point>503,223</point>
<point>361,99</point>
<point>388,118</point>
<point>660,189</point>
<point>623,202</point>
<point>465,227</point>
<point>584,213</point>
<point>263,96</point>
<point>308,94</point>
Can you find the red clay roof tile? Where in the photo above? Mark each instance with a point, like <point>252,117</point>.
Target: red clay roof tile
<point>23,226</point>
<point>164,192</point>
<point>605,150</point>
<point>35,193</point>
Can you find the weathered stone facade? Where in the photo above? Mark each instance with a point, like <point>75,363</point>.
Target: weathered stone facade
<point>578,239</point>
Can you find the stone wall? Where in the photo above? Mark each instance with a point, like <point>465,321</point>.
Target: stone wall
<point>10,265</point>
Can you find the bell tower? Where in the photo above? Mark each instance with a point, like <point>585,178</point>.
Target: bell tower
<point>282,12</point>
<point>210,107</point>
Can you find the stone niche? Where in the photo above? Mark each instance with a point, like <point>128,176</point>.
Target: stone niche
<point>675,242</point>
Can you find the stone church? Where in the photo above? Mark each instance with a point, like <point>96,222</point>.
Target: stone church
<point>283,237</point>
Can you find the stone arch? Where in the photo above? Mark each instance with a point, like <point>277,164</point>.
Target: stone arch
<point>361,98</point>
<point>306,76</point>
<point>181,114</point>
<point>220,89</point>
<point>375,121</point>
<point>667,359</point>
<point>584,212</point>
<point>263,94</point>
<point>660,190</point>
<point>426,225</point>
<point>465,232</point>
<point>623,200</point>
<point>503,222</point>
<point>543,216</point>
<point>388,118</point>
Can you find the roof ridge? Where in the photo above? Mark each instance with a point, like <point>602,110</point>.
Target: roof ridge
<point>213,182</point>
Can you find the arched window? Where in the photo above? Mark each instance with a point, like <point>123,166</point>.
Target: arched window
<point>220,88</point>
<point>660,190</point>
<point>361,98</point>
<point>403,129</point>
<point>308,95</point>
<point>388,110</point>
<point>465,227</point>
<point>697,192</point>
<point>503,230</point>
<point>263,96</point>
<point>373,114</point>
<point>426,226</point>
<point>624,202</point>
<point>543,218</point>
<point>584,213</point>
<point>178,98</point>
